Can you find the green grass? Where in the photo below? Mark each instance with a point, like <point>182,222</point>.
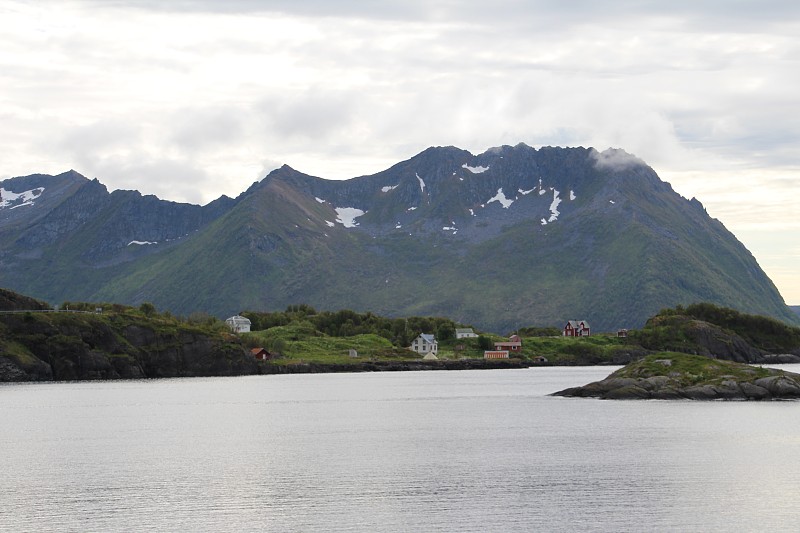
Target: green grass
<point>299,345</point>
<point>574,350</point>
<point>17,351</point>
<point>691,369</point>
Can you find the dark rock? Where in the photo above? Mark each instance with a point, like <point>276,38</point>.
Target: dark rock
<point>691,377</point>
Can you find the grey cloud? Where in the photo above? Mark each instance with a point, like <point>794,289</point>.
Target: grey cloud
<point>614,159</point>
<point>169,179</point>
<point>314,114</point>
<point>199,128</point>
<point>98,136</point>
<point>745,15</point>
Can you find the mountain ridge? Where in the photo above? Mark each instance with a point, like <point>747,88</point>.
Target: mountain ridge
<point>511,237</point>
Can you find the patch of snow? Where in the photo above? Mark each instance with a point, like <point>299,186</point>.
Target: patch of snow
<point>410,208</point>
<point>347,216</point>
<point>525,193</point>
<point>554,207</point>
<point>500,197</point>
<point>475,170</point>
<point>611,202</point>
<point>421,183</point>
<point>329,223</point>
<point>471,212</point>
<point>461,179</point>
<point>320,200</point>
<point>141,243</point>
<point>544,222</point>
<point>27,197</point>
<point>572,195</point>
<point>449,228</point>
<point>398,226</point>
<point>541,192</point>
<point>389,188</point>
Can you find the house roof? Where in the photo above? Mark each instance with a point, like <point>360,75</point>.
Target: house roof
<point>236,319</point>
<point>428,338</point>
<point>508,343</point>
<point>464,330</point>
<point>576,323</point>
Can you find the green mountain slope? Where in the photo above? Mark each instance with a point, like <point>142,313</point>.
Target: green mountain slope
<point>509,238</point>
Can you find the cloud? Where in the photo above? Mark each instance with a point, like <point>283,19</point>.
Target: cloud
<point>192,99</point>
<point>614,159</point>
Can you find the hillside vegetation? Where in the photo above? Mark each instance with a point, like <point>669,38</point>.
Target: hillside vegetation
<point>119,342</point>
<point>112,341</point>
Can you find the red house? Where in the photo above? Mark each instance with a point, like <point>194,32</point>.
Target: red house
<point>260,354</point>
<point>577,328</point>
<point>510,346</point>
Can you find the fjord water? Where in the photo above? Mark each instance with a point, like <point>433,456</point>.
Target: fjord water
<point>412,451</point>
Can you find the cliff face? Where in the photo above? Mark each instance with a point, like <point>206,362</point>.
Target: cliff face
<point>78,346</point>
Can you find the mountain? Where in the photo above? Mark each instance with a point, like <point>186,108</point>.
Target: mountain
<point>511,237</point>
<point>795,309</point>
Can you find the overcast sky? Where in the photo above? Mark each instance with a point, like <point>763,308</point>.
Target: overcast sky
<point>189,100</point>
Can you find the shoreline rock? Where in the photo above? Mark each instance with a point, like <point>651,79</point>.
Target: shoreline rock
<point>690,377</point>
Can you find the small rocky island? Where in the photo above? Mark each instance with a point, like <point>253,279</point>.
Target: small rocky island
<point>674,376</point>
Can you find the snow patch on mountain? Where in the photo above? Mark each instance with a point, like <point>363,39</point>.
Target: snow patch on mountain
<point>26,197</point>
<point>572,195</point>
<point>411,209</point>
<point>501,197</point>
<point>475,170</point>
<point>525,193</point>
<point>320,200</point>
<point>329,223</point>
<point>554,207</point>
<point>389,188</point>
<point>347,216</point>
<point>141,243</point>
<point>421,184</point>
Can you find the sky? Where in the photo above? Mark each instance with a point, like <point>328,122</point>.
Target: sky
<point>189,100</point>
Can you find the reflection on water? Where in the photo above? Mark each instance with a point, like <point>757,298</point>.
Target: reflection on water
<point>413,451</point>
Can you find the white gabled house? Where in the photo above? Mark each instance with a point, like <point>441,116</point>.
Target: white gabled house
<point>465,333</point>
<point>238,324</point>
<point>425,344</point>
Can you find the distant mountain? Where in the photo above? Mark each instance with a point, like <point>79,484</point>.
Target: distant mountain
<point>795,308</point>
<point>511,237</point>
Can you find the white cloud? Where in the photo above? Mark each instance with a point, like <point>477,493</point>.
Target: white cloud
<point>215,94</point>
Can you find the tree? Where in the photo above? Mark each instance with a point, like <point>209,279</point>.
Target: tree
<point>147,309</point>
<point>484,342</point>
<point>446,332</point>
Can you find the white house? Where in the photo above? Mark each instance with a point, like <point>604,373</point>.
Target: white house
<point>238,324</point>
<point>425,344</point>
<point>465,333</point>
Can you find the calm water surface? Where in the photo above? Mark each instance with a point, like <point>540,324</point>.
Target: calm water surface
<point>412,451</point>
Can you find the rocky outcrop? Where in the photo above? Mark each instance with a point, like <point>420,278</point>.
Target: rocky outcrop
<point>680,376</point>
<point>77,346</point>
<point>11,301</point>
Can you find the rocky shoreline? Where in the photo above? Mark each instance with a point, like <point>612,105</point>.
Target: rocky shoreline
<point>681,376</point>
<point>395,366</point>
